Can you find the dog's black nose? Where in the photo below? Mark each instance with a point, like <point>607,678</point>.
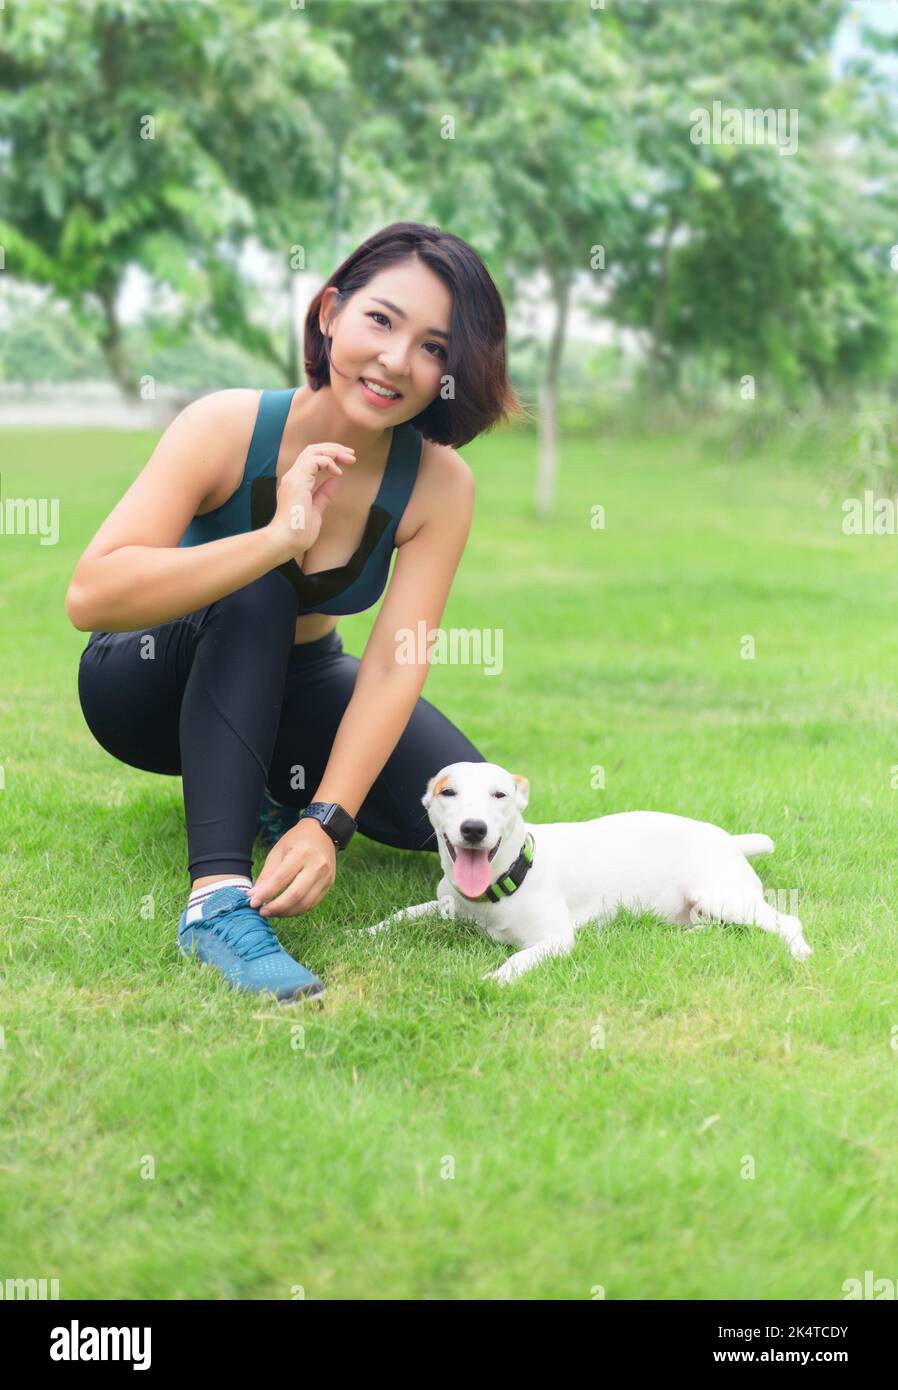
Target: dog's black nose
<point>473,830</point>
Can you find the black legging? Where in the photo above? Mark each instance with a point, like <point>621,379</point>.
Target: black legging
<point>224,699</point>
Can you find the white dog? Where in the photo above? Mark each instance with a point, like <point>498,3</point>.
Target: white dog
<point>534,885</point>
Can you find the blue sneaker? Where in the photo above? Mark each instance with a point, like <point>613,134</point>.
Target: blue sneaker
<point>239,941</point>
<point>274,820</point>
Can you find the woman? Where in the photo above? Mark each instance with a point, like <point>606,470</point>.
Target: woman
<point>213,588</point>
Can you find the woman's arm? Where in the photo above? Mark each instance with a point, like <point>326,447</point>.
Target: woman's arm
<point>133,573</point>
<point>386,691</point>
<point>140,586</point>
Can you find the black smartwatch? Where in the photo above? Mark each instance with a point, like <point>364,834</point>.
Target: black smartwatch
<point>338,823</point>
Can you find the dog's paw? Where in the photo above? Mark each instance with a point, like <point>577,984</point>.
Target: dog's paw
<point>800,949</point>
<point>502,976</point>
<point>381,926</point>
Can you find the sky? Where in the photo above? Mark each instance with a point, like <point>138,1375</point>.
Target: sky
<point>878,14</point>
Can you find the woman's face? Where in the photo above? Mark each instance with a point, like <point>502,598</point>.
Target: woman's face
<point>394,330</point>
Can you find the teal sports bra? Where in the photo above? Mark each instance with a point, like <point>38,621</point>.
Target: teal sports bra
<point>350,588</point>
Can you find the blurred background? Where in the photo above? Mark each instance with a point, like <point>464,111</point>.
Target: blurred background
<point>177,179</point>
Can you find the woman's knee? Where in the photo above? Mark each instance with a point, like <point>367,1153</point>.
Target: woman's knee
<point>131,728</point>
<point>400,828</point>
<point>257,606</point>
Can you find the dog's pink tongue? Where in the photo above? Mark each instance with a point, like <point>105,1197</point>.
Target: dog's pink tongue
<point>471,871</point>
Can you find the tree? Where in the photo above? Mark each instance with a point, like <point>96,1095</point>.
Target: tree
<point>525,143</point>
<point>162,137</point>
<point>767,263</point>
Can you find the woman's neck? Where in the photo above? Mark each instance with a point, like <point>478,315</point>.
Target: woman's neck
<point>315,417</point>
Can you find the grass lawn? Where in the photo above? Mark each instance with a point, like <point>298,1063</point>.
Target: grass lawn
<point>663,1114</point>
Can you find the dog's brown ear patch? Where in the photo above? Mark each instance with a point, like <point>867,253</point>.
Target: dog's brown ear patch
<point>523,784</point>
<point>433,788</point>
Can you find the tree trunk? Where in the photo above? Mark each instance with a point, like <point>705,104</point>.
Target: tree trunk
<point>337,200</point>
<point>659,316</point>
<point>120,368</point>
<point>293,343</point>
<point>548,411</point>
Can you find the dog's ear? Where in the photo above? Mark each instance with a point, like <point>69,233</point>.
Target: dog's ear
<point>522,790</point>
<point>434,787</point>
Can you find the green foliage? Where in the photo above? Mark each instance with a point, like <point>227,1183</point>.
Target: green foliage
<point>776,264</point>
<point>146,135</point>
<point>538,132</point>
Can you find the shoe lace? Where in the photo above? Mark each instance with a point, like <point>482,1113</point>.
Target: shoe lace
<point>244,929</point>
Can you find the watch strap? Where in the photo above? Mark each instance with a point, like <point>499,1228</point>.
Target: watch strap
<point>332,817</point>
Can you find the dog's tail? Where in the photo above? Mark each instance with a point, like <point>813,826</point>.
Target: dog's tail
<point>753,844</point>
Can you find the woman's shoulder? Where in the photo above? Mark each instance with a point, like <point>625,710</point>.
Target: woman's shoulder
<point>227,419</point>
<point>445,470</point>
<point>443,481</point>
<point>235,402</point>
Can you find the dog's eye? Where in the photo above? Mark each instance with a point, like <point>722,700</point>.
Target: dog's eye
<point>447,791</point>
<point>500,794</point>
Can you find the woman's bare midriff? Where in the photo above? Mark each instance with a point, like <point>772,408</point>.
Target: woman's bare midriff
<point>344,519</point>
<point>313,626</point>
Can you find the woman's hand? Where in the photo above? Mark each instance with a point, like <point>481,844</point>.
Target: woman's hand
<point>304,492</point>
<point>299,870</point>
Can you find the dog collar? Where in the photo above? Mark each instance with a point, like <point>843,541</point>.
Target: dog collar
<point>510,881</point>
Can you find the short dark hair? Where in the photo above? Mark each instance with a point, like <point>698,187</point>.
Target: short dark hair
<point>476,351</point>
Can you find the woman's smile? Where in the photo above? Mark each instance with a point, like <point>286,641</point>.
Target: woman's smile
<point>376,396</point>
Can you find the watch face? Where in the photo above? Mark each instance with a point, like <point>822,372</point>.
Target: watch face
<point>338,823</point>
<point>342,826</point>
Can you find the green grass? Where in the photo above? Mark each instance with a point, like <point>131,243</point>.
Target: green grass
<point>601,1112</point>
